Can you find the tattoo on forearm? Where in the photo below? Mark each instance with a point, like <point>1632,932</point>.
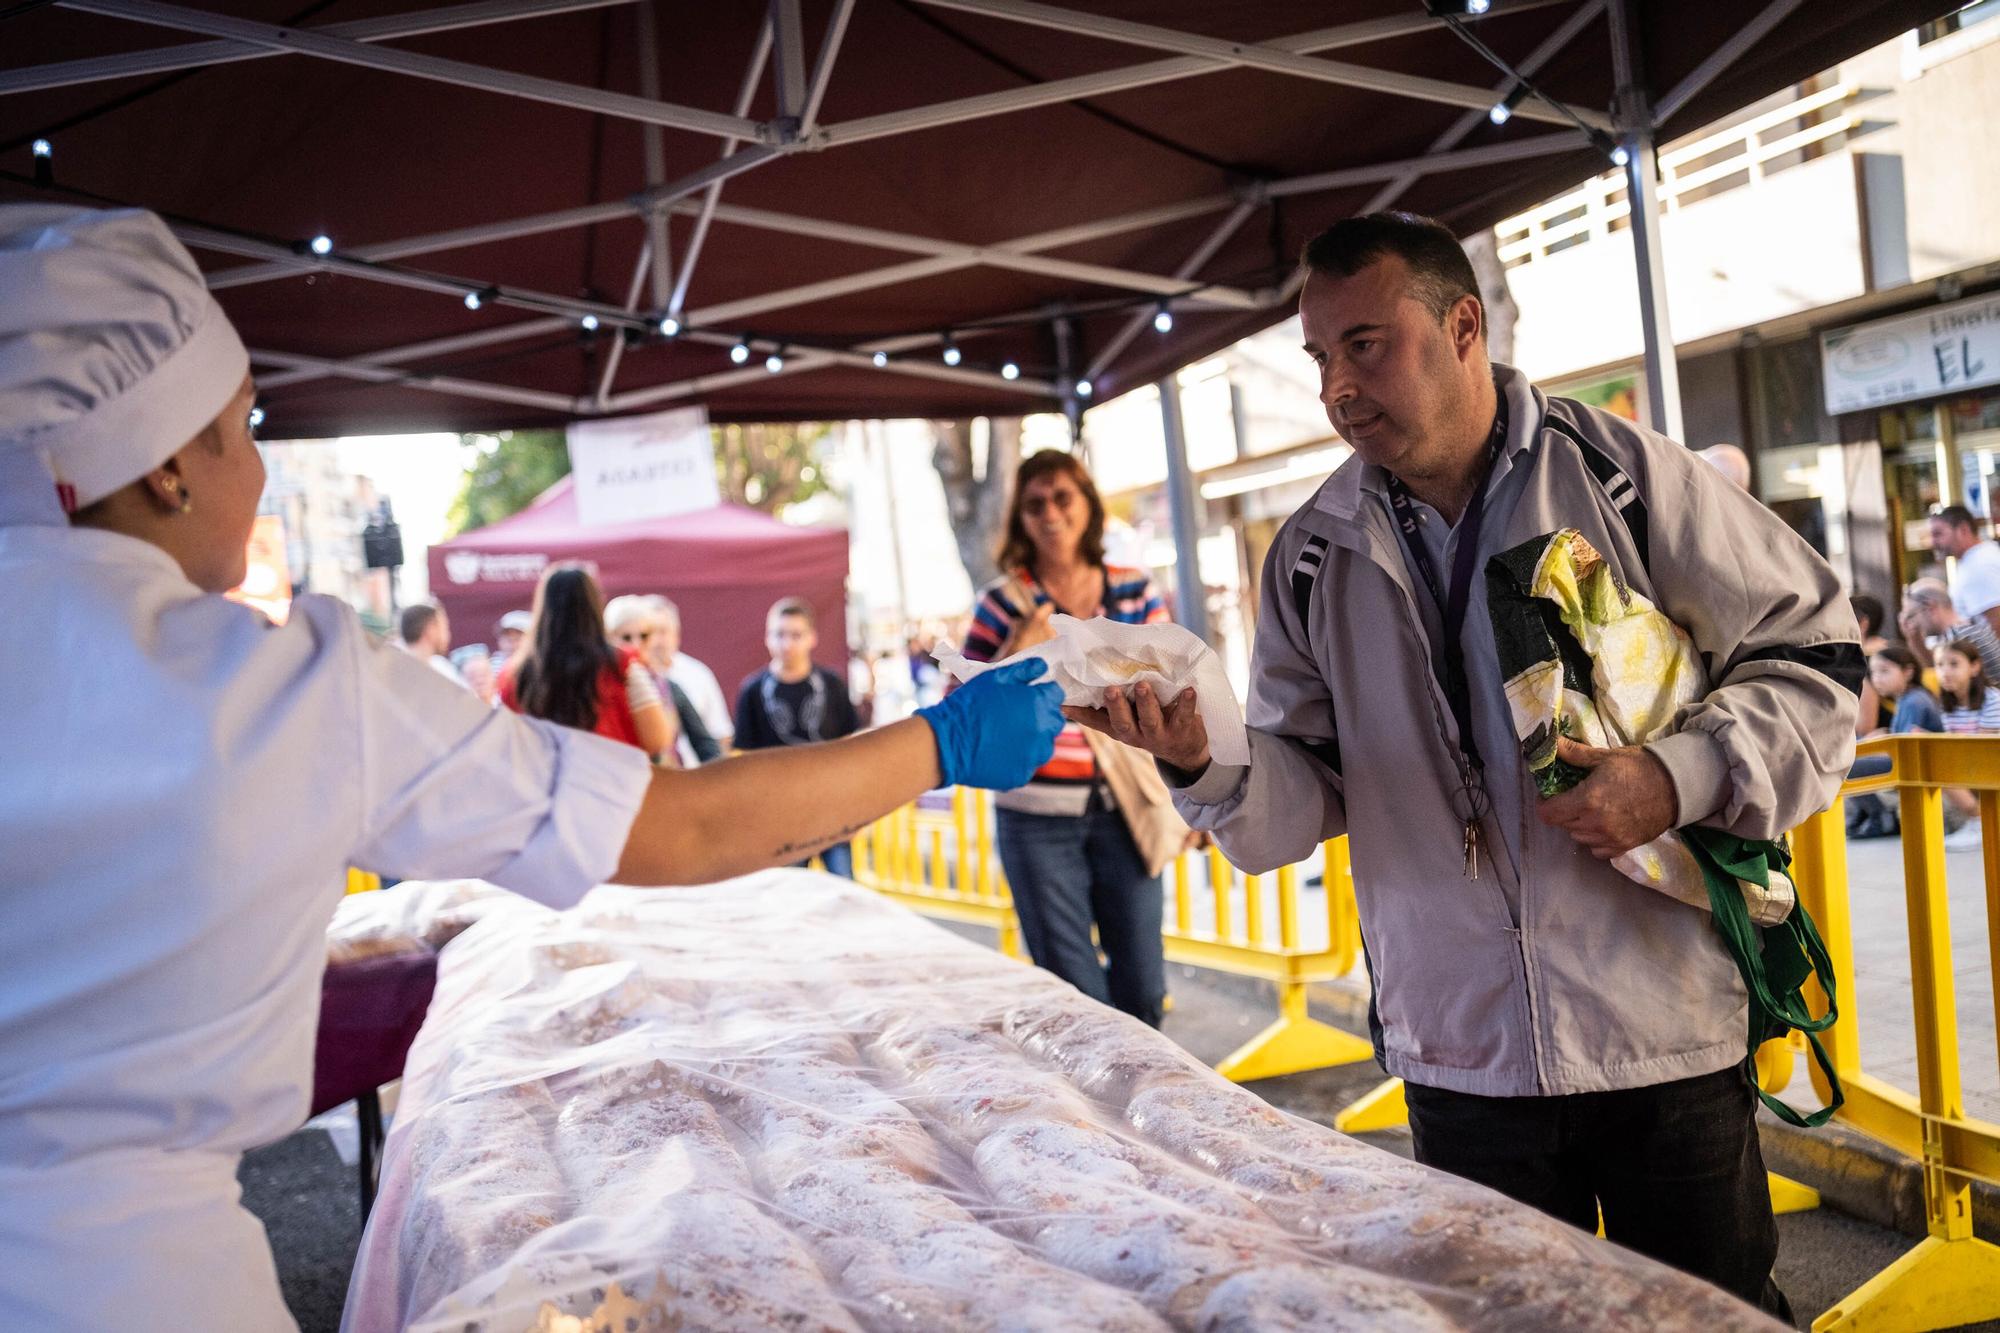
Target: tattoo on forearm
<point>819,844</point>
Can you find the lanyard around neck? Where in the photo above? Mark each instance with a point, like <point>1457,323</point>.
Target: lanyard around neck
<point>1452,601</point>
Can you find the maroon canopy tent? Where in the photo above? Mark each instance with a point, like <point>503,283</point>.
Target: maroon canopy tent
<point>513,197</point>
<point>723,567</point>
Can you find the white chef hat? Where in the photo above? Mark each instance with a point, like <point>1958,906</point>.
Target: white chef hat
<point>113,355</point>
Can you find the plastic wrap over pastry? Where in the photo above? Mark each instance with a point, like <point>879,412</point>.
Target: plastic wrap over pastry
<point>416,917</point>
<point>1088,657</point>
<point>783,1103</point>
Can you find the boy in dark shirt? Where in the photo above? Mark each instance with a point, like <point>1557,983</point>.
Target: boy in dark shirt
<point>793,702</point>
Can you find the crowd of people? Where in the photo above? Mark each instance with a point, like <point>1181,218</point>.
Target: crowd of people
<point>1940,673</point>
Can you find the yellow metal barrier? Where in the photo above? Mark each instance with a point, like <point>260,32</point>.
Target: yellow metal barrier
<point>362,881</point>
<point>902,856</point>
<point>1295,1040</point>
<point>1950,1277</point>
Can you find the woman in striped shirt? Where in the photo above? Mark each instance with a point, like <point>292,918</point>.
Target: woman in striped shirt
<point>1067,852</point>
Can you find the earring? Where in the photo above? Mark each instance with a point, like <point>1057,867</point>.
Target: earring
<point>187,500</point>
<point>179,497</point>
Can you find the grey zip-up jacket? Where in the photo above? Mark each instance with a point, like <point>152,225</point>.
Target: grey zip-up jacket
<point>1551,973</point>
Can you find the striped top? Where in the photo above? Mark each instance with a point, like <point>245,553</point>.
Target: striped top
<point>1129,598</point>
<point>1981,721</point>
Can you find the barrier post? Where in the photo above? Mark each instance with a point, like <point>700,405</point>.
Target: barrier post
<point>1950,1277</point>
<point>1296,1041</point>
<point>939,883</point>
<point>1183,898</point>
<point>1221,881</point>
<point>1382,1107</point>
<point>963,880</point>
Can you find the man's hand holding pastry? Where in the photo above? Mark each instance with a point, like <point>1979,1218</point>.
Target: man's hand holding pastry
<point>1173,734</point>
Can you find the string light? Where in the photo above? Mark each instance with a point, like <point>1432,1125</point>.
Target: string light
<point>740,353</point>
<point>473,300</point>
<point>952,356</point>
<point>256,417</point>
<point>775,362</point>
<point>1084,389</point>
<point>880,359</point>
<point>670,327</point>
<point>1010,371</point>
<point>1163,319</point>
<point>1503,110</point>
<point>589,323</point>
<point>321,244</point>
<point>42,148</point>
<point>1620,156</point>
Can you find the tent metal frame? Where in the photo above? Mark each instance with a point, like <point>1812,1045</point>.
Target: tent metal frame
<point>800,86</point>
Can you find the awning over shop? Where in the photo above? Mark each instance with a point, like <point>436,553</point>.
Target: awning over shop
<point>514,195</point>
<point>723,567</point>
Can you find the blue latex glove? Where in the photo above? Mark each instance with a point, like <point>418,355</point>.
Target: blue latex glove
<point>997,729</point>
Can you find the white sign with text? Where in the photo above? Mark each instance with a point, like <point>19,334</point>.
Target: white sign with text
<point>635,468</point>
<point>1924,354</point>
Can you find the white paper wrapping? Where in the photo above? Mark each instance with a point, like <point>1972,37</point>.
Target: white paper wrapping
<point>1088,657</point>
<point>783,1103</point>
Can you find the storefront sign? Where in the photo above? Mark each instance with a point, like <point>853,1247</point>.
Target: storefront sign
<point>1924,354</point>
<point>643,467</point>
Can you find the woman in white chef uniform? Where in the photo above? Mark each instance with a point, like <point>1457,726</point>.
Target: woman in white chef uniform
<point>181,787</point>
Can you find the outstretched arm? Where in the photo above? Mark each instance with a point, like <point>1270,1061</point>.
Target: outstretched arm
<point>776,807</point>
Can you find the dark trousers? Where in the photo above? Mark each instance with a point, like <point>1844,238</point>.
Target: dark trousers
<point>1675,1168</point>
<point>1068,872</point>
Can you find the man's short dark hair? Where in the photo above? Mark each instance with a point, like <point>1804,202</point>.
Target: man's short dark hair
<point>1957,516</point>
<point>793,606</point>
<point>417,620</point>
<point>1868,611</point>
<point>1440,272</point>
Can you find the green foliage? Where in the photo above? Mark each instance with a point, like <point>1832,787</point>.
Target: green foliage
<point>503,474</point>
<point>769,465</point>
<point>764,466</point>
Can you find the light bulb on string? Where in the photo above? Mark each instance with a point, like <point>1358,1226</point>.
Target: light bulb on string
<point>952,356</point>
<point>1163,319</point>
<point>1084,389</point>
<point>880,359</point>
<point>1010,371</point>
<point>670,327</point>
<point>775,362</point>
<point>321,244</point>
<point>740,353</point>
<point>589,323</point>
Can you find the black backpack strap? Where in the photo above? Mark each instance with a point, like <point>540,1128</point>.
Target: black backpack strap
<point>1618,487</point>
<point>1305,572</point>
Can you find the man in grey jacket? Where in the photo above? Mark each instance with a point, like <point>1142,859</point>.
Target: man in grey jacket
<point>1566,1036</point>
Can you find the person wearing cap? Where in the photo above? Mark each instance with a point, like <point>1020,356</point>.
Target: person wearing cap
<point>183,785</point>
<point>508,635</point>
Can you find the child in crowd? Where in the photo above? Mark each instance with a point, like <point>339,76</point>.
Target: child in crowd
<point>793,702</point>
<point>1897,681</point>
<point>1971,708</point>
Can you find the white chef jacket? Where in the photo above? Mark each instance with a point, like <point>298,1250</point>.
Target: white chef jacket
<point>181,789</point>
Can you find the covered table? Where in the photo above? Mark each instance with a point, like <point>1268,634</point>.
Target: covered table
<point>781,1102</point>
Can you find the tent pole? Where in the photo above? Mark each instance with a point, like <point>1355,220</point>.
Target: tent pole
<point>1634,113</point>
<point>1190,605</point>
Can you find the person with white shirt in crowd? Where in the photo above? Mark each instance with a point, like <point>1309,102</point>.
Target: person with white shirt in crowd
<point>703,690</point>
<point>426,636</point>
<point>183,786</point>
<point>1975,581</point>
